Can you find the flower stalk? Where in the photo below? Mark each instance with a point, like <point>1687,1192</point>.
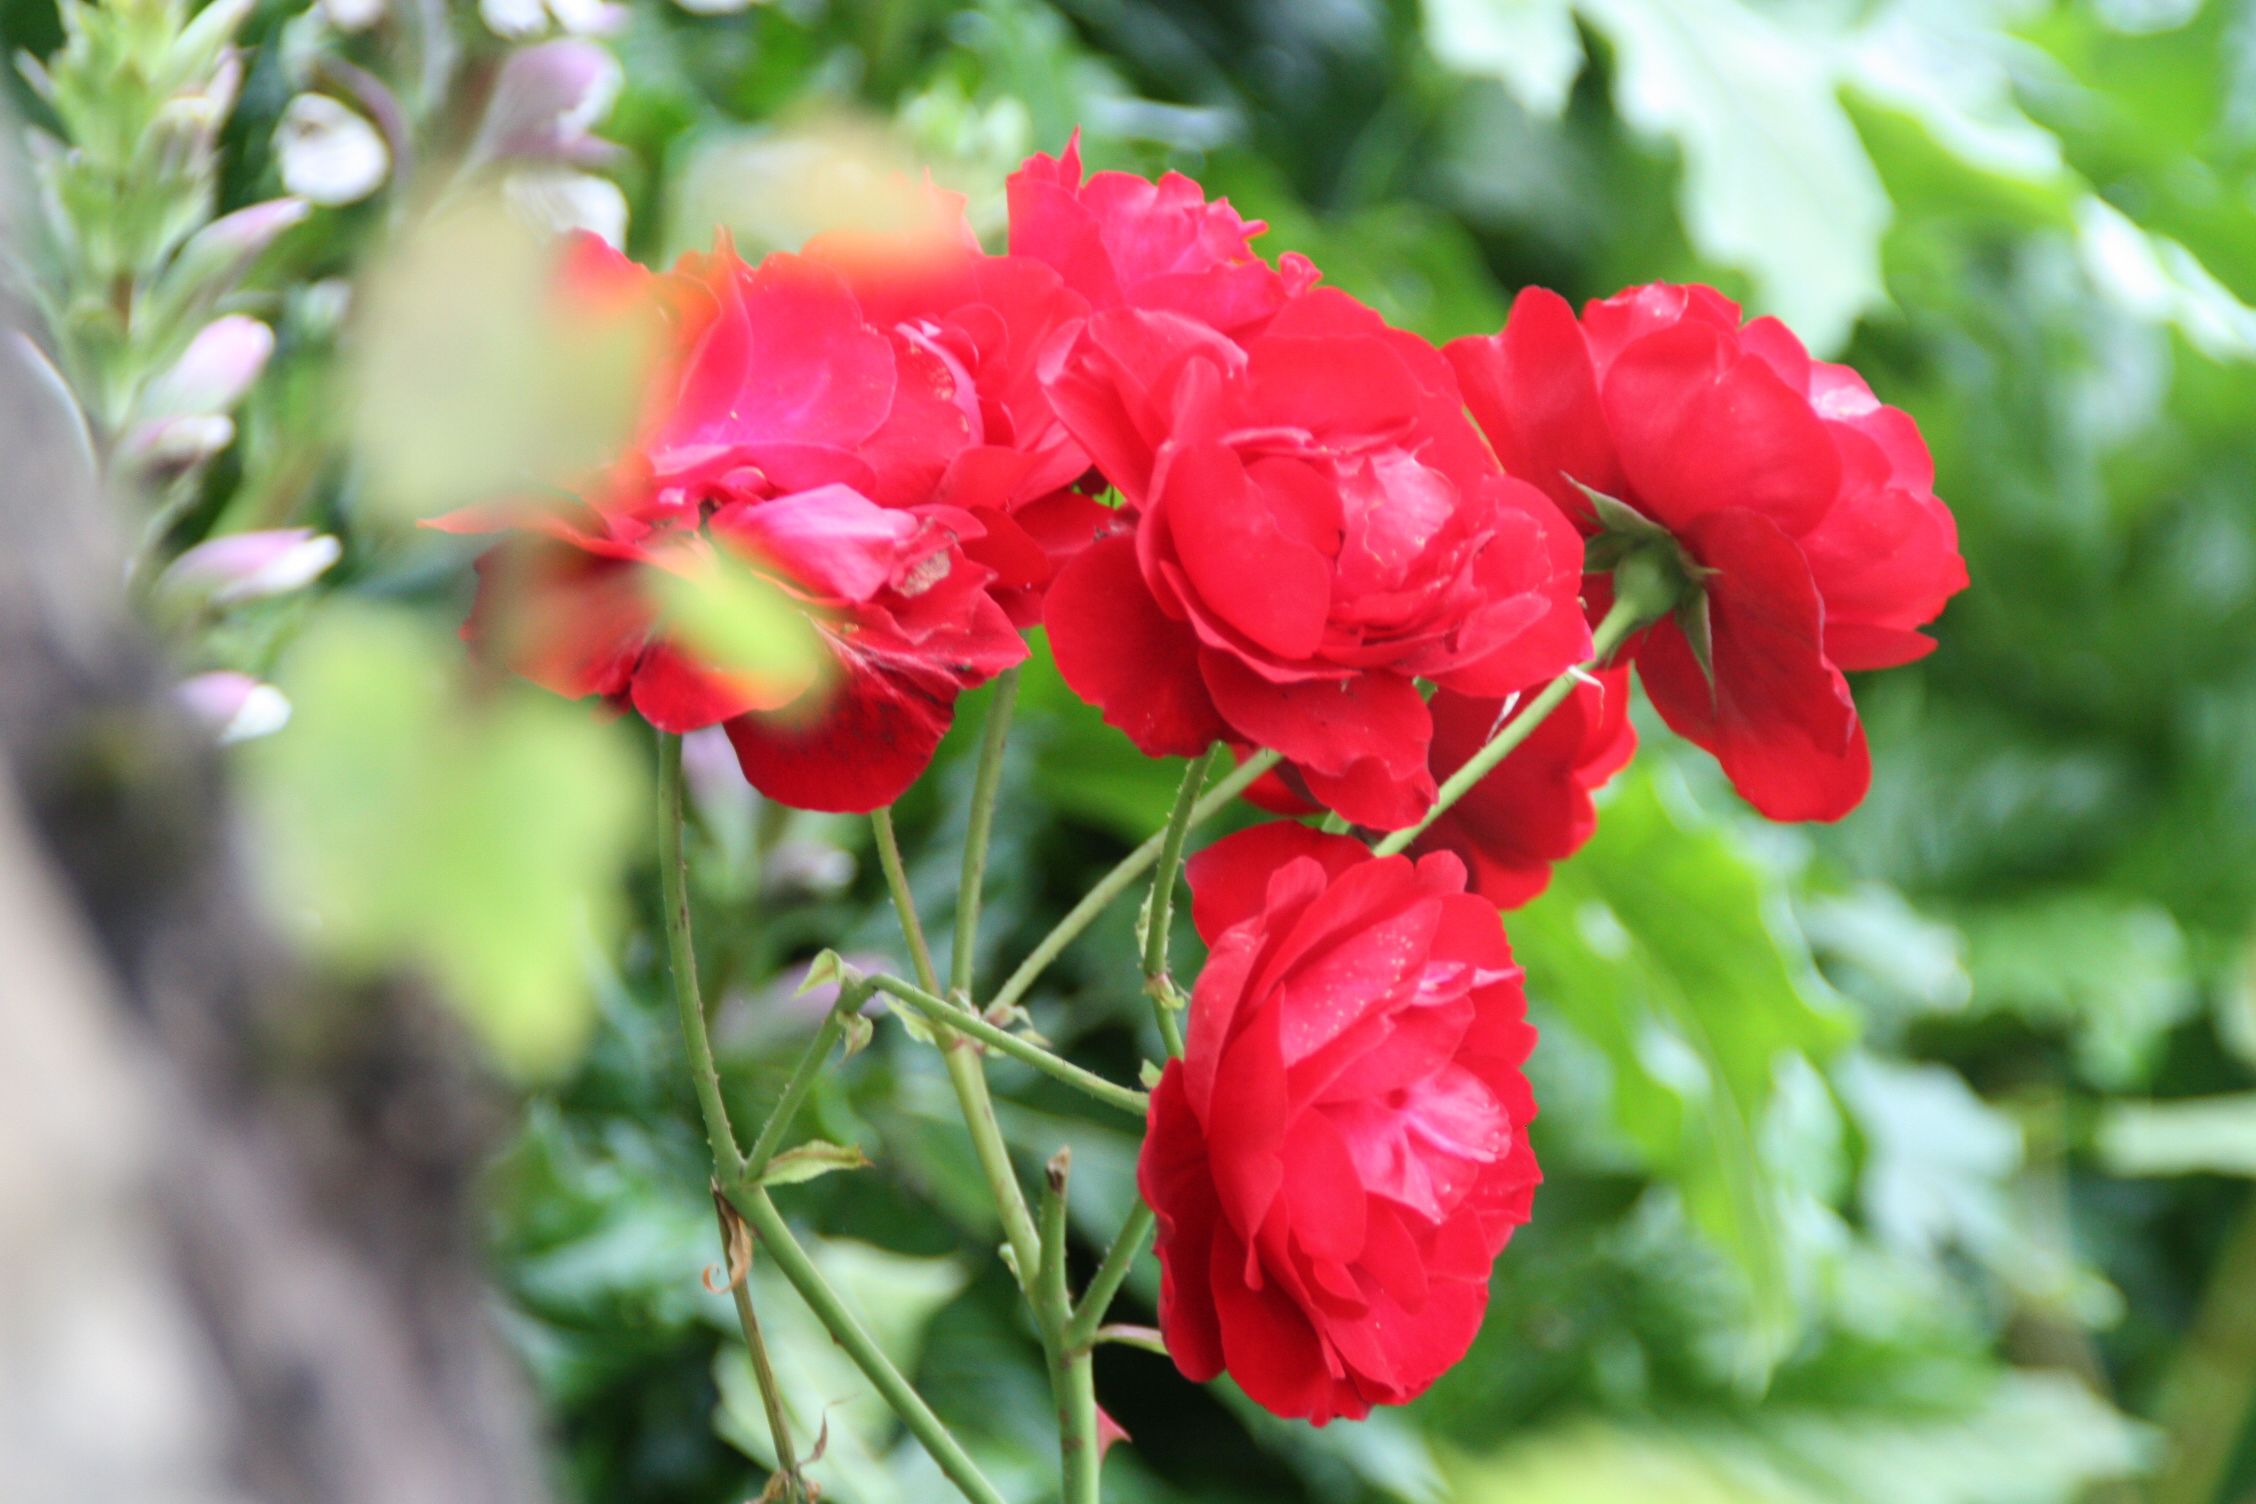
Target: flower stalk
<point>947,1017</point>
<point>1632,610</point>
<point>1116,882</point>
<point>745,1195</point>
<point>1159,908</point>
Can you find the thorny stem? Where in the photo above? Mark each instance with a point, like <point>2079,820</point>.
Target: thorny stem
<point>736,1245</point>
<point>963,961</point>
<point>681,955</point>
<point>775,1235</point>
<point>1072,1368</point>
<point>1106,1282</point>
<point>749,1199</point>
<point>1159,909</point>
<point>1628,614</point>
<point>946,1016</point>
<point>897,884</point>
<point>852,993</point>
<point>959,1053</point>
<point>1116,882</point>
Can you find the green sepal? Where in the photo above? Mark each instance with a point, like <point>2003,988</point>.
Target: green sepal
<point>1697,623</point>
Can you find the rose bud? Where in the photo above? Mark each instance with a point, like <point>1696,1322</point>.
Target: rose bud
<point>1342,1152</point>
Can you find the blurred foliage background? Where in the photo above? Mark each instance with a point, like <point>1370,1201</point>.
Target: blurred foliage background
<point>1905,1160</point>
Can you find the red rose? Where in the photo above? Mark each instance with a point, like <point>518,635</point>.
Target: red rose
<point>1342,1153</point>
<point>1310,527</point>
<point>973,428</point>
<point>777,419</point>
<point>1535,809</point>
<point>1805,508</point>
<point>903,615</point>
<point>1123,241</point>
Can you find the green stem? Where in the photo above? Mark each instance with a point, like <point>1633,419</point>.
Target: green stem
<point>1073,1380</point>
<point>749,1199</point>
<point>961,1058</point>
<point>904,906</point>
<point>852,993</point>
<point>1116,882</point>
<point>681,952</point>
<point>2207,1394</point>
<point>763,1371</point>
<point>775,1235</point>
<point>1111,1274</point>
<point>963,961</point>
<point>949,1018</point>
<point>1159,910</point>
<point>1628,614</point>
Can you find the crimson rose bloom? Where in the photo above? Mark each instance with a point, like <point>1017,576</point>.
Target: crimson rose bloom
<point>1342,1153</point>
<point>1123,241</point>
<point>1310,526</point>
<point>776,422</point>
<point>1807,508</point>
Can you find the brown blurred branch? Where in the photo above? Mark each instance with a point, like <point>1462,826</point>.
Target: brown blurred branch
<point>235,1254</point>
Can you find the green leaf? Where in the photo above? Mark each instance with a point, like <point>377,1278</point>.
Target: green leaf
<point>481,834</point>
<point>1776,180</point>
<point>2034,1438</point>
<point>1665,945</point>
<point>2113,976</point>
<point>815,1158</point>
<point>1530,46</point>
<point>738,622</point>
<point>2199,1136</point>
<point>820,1390</point>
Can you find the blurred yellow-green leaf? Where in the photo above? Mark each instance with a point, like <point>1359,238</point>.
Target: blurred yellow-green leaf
<point>475,831</point>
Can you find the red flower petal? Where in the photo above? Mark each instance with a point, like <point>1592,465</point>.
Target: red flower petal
<point>1779,717</point>
<point>1120,652</point>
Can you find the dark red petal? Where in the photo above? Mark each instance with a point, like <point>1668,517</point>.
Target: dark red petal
<point>1534,393</point>
<point>1269,1345</point>
<point>1230,879</point>
<point>570,621</point>
<point>1361,740</point>
<point>1172,1175</point>
<point>858,749</point>
<point>1246,569</point>
<point>1117,650</point>
<point>1702,427</point>
<point>1779,718</point>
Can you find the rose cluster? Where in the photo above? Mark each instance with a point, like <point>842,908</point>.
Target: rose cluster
<point>1246,510</point>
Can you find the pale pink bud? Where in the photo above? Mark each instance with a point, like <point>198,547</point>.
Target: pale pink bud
<point>215,370</point>
<point>253,566</point>
<point>172,446</point>
<point>233,707</point>
<point>545,101</point>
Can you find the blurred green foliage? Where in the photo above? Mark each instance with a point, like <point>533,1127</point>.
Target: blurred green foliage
<point>1905,1159</point>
